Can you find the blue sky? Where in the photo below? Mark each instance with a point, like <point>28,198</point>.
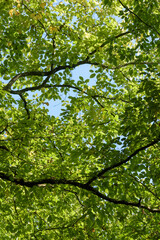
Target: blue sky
<point>83,70</point>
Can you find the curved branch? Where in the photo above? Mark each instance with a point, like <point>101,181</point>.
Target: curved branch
<point>44,86</point>
<point>25,74</point>
<point>83,186</point>
<point>59,68</point>
<point>4,148</point>
<point>25,105</point>
<point>96,176</point>
<point>8,86</point>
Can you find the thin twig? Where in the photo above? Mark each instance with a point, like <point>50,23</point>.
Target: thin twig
<point>76,195</point>
<point>149,190</point>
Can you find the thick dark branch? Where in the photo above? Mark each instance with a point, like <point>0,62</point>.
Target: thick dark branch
<point>46,80</point>
<point>25,74</point>
<point>59,68</point>
<point>42,74</point>
<point>25,105</point>
<point>96,176</point>
<point>45,86</point>
<point>83,186</point>
<point>140,19</point>
<point>4,148</point>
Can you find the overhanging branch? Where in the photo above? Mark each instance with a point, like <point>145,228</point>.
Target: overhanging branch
<point>25,105</point>
<point>8,86</point>
<point>25,74</point>
<point>59,68</point>
<point>83,186</point>
<point>97,175</point>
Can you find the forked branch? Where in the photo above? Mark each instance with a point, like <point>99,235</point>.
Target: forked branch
<point>118,164</point>
<point>83,186</point>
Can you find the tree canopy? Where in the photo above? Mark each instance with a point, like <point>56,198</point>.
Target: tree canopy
<point>93,172</point>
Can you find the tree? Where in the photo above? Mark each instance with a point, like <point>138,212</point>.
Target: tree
<point>92,172</point>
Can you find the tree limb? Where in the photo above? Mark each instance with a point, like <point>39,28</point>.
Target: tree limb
<point>25,105</point>
<point>83,186</point>
<point>108,41</point>
<point>25,74</point>
<point>33,12</point>
<point>96,176</point>
<point>146,187</point>
<point>43,85</point>
<point>59,68</point>
<point>140,19</point>
<point>124,65</point>
<point>4,148</point>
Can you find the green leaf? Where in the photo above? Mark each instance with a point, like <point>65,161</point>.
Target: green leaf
<point>79,120</point>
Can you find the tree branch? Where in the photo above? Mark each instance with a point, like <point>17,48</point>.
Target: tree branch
<point>43,85</point>
<point>76,195</point>
<point>146,187</point>
<point>25,105</point>
<point>124,65</point>
<point>140,19</point>
<point>83,186</point>
<point>4,148</point>
<point>108,41</point>
<point>42,74</point>
<point>25,74</point>
<point>37,20</point>
<point>96,176</point>
<point>59,68</point>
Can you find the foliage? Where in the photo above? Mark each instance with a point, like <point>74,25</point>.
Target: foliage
<point>93,171</point>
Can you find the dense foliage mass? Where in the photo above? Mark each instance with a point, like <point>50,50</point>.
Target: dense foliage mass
<point>93,172</point>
